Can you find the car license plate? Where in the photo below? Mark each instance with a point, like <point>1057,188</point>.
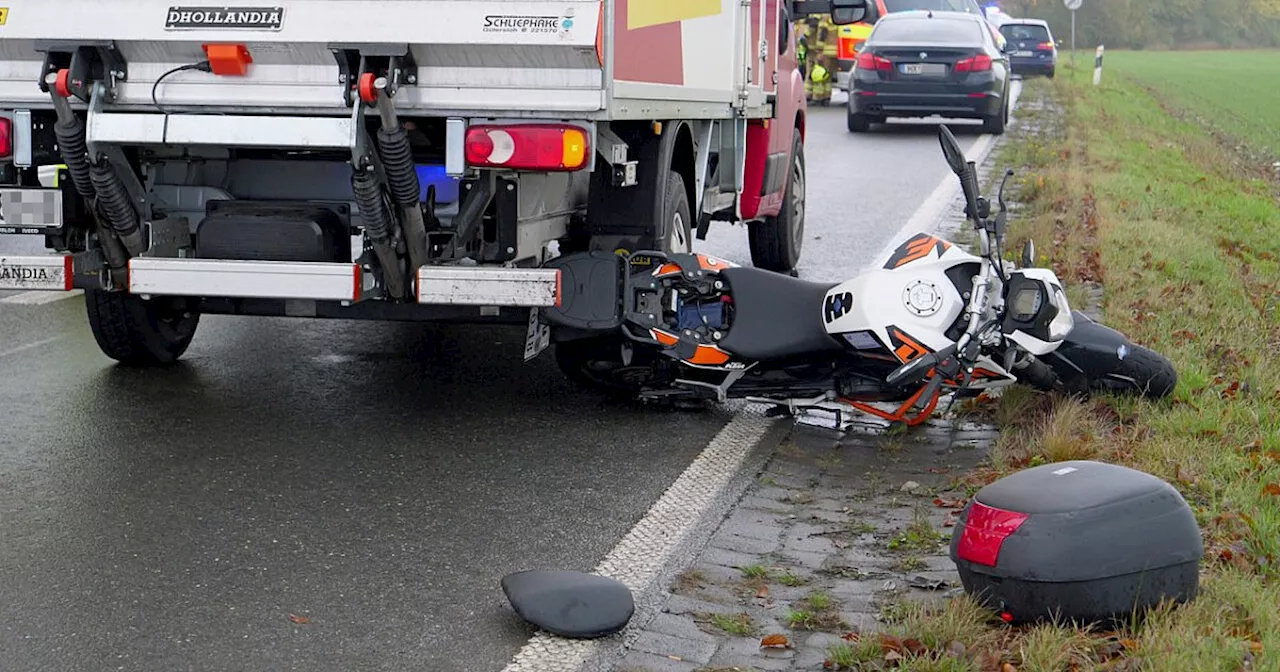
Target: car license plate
<point>934,69</point>
<point>1022,53</point>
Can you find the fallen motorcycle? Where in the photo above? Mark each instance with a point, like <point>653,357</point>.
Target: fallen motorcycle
<point>929,320</point>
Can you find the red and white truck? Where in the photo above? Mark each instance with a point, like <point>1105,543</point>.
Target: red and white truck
<point>385,159</point>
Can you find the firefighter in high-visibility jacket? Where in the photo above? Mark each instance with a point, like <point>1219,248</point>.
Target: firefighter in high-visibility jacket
<point>818,54</point>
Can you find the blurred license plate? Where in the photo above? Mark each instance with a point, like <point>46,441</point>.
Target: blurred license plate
<point>923,69</point>
<point>30,210</point>
<point>1023,53</point>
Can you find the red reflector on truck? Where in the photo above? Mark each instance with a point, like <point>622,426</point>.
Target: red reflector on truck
<point>985,531</point>
<point>6,137</point>
<point>527,147</point>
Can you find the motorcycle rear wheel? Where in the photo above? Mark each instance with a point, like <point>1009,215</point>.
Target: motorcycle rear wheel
<point>596,364</point>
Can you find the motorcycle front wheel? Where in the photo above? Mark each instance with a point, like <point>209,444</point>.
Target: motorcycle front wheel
<point>1143,372</point>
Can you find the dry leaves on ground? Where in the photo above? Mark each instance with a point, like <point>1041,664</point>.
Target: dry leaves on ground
<point>775,642</point>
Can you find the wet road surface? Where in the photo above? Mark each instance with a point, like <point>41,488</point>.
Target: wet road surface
<point>376,479</point>
<point>862,188</point>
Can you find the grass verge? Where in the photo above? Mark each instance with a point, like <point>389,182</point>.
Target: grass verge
<point>1120,186</point>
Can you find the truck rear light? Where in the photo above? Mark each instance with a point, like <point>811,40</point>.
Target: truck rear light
<point>6,137</point>
<point>869,61</point>
<point>984,533</point>
<point>550,147</point>
<point>979,63</point>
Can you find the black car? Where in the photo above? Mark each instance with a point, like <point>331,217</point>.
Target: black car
<point>1032,50</point>
<point>921,64</point>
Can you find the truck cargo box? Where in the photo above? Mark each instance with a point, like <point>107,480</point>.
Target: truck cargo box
<point>589,59</point>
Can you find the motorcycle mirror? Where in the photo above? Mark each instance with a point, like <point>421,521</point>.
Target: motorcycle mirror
<point>951,150</point>
<point>1028,254</point>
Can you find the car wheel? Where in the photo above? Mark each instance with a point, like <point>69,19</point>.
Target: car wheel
<point>995,124</point>
<point>857,123</point>
<point>1050,73</point>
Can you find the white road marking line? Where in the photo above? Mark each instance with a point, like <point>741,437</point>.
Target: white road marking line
<point>39,298</point>
<point>926,218</point>
<point>29,346</point>
<point>637,560</point>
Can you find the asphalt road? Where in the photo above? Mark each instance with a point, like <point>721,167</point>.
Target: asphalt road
<point>862,188</point>
<point>378,479</point>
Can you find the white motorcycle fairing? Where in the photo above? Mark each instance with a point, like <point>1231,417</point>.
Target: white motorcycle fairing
<point>905,306</point>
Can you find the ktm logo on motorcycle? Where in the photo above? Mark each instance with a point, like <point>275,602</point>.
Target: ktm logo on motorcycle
<point>836,306</point>
<point>915,249</point>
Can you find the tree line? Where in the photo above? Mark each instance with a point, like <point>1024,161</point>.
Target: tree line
<point>1159,24</point>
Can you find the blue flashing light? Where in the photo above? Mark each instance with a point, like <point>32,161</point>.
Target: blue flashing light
<point>446,186</point>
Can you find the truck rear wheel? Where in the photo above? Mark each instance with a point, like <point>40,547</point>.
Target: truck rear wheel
<point>776,241</point>
<point>677,218</point>
<point>137,332</point>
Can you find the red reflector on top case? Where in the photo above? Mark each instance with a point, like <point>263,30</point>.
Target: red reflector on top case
<point>985,531</point>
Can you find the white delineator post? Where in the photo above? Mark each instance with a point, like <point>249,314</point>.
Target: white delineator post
<point>1097,64</point>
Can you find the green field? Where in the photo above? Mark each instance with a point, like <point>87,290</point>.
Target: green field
<point>1237,91</point>
<point>1122,185</point>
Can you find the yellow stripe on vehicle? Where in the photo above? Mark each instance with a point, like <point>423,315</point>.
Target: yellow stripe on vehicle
<point>643,13</point>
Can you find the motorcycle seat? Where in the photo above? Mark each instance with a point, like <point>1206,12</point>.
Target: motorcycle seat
<point>776,316</point>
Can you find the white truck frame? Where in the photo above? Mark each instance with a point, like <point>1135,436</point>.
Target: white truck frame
<point>270,160</point>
